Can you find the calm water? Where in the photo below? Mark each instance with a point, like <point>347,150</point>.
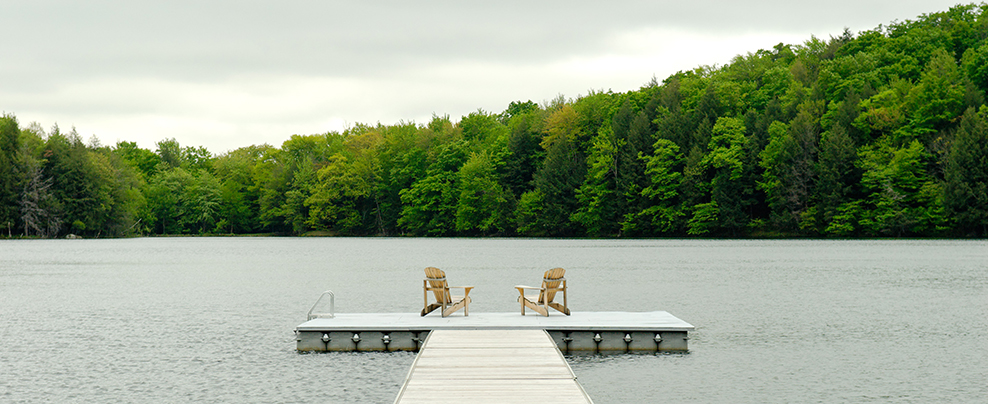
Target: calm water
<point>211,319</point>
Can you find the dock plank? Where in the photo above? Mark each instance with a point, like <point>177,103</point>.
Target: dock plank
<point>490,366</point>
<point>600,321</point>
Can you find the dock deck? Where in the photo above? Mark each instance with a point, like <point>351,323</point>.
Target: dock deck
<point>581,331</point>
<point>490,366</point>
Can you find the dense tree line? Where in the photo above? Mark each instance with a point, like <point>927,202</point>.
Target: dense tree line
<point>883,133</point>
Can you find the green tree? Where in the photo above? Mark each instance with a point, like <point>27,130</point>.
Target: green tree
<point>975,64</point>
<point>965,191</point>
<point>661,214</point>
<point>483,205</point>
<point>902,199</point>
<point>197,158</point>
<point>592,111</point>
<point>938,98</point>
<point>83,183</point>
<point>885,113</point>
<point>843,113</point>
<point>671,122</point>
<point>726,162</point>
<point>631,178</point>
<point>429,205</point>
<point>631,137</point>
<point>164,195</point>
<point>120,192</point>
<point>704,220</point>
<point>529,220</point>
<point>481,127</point>
<point>182,203</point>
<point>789,162</point>
<point>40,212</point>
<point>170,152</point>
<point>403,157</point>
<point>525,154</point>
<point>836,177</point>
<point>518,108</point>
<point>200,204</point>
<point>341,199</point>
<point>239,211</point>
<point>562,172</point>
<point>144,160</point>
<point>695,194</point>
<point>271,181</point>
<point>294,209</point>
<point>9,181</point>
<point>598,201</point>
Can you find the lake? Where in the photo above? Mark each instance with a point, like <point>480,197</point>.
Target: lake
<point>211,319</point>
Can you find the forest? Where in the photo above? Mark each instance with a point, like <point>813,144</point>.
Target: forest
<point>883,133</point>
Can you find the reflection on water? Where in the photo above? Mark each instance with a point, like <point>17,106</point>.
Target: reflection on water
<point>211,319</point>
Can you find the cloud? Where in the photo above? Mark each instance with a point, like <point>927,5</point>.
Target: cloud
<point>227,74</point>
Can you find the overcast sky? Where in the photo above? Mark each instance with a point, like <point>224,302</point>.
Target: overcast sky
<point>228,74</point>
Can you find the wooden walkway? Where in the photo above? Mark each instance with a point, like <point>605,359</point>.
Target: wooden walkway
<point>490,366</point>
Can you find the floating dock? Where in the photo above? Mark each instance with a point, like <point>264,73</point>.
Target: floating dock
<point>490,366</point>
<point>653,331</point>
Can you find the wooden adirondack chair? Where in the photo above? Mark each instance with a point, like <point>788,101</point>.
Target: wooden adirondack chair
<point>552,282</point>
<point>435,280</point>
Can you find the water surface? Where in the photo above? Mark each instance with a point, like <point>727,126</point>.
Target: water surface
<point>211,319</point>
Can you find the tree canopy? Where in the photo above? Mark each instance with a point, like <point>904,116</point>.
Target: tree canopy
<point>881,133</point>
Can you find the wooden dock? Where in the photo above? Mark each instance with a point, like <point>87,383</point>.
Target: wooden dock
<point>582,331</point>
<point>490,366</point>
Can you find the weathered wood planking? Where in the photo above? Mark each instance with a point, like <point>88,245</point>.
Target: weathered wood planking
<point>601,321</point>
<point>490,366</point>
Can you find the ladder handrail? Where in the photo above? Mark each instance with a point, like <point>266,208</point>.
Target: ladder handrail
<point>332,304</point>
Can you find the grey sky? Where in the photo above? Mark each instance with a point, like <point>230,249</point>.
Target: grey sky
<point>227,74</point>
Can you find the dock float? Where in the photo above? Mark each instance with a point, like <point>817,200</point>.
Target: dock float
<point>490,366</point>
<point>603,332</point>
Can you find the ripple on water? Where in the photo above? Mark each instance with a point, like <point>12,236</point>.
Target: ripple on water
<point>210,319</point>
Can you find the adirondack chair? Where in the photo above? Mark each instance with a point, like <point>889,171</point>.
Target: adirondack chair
<point>435,280</point>
<point>552,282</point>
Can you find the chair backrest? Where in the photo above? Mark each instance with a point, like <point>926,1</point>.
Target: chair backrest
<point>550,280</point>
<point>437,282</point>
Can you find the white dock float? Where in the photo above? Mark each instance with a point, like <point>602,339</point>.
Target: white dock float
<point>490,366</point>
<point>581,331</point>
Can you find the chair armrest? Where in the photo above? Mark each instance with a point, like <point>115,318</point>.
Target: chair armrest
<point>466,289</point>
<point>522,288</point>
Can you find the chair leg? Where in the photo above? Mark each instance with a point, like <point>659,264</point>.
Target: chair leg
<point>565,301</point>
<point>560,308</point>
<point>430,308</point>
<point>452,308</point>
<point>534,306</point>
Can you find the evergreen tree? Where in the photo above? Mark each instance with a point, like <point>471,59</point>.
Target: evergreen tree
<point>966,173</point>
<point>9,178</point>
<point>561,174</point>
<point>661,215</point>
<point>836,175</point>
